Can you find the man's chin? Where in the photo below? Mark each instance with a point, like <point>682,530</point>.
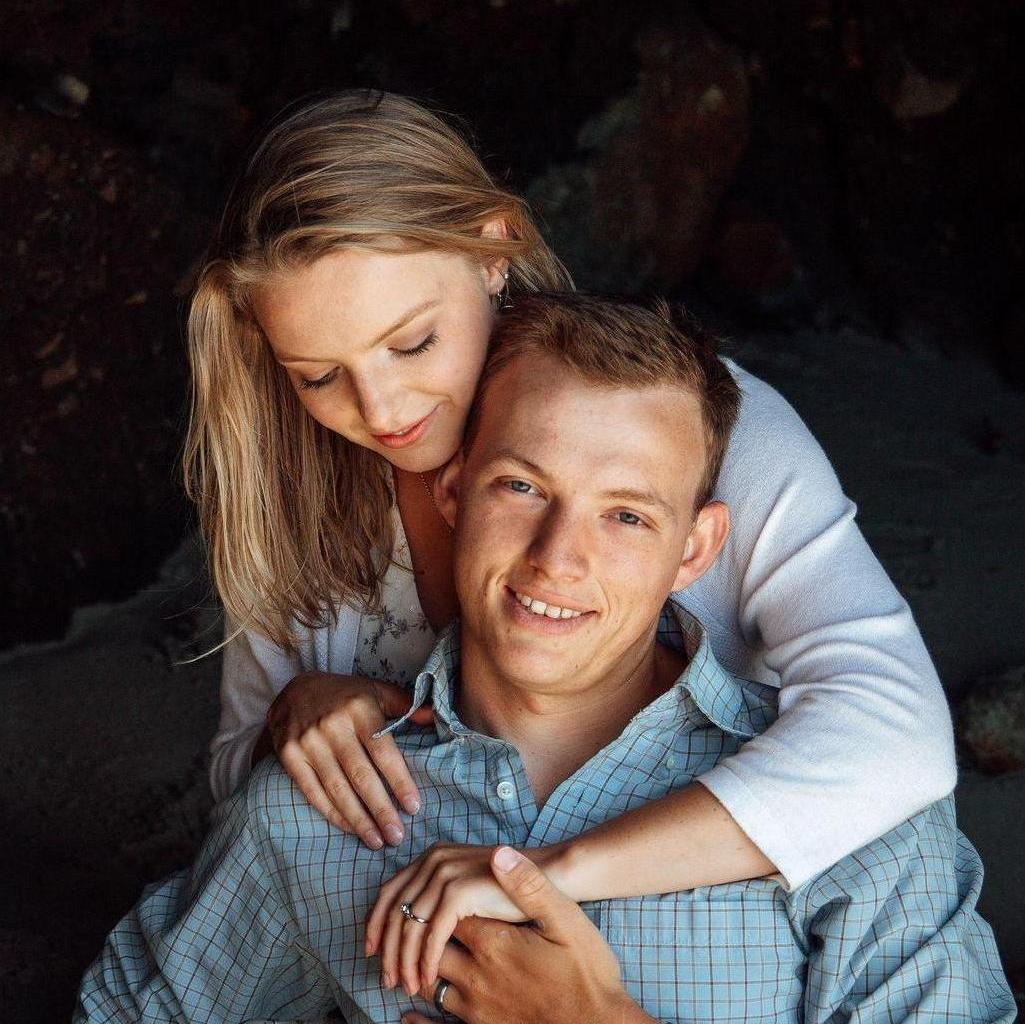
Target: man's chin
<point>537,671</point>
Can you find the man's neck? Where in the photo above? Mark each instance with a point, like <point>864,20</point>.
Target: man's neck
<point>556,733</point>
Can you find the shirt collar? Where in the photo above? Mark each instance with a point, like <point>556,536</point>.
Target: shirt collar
<point>734,705</point>
<point>704,687</point>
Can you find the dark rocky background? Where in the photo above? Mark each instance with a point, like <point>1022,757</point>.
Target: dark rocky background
<point>838,186</point>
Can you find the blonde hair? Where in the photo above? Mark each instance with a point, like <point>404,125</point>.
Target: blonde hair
<point>616,344</point>
<point>296,518</point>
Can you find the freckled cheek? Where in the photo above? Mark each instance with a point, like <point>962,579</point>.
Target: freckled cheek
<point>629,577</point>
<point>336,412</point>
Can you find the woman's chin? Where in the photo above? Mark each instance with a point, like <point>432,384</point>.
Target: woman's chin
<point>424,457</point>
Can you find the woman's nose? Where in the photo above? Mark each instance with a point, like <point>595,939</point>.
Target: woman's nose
<point>378,406</point>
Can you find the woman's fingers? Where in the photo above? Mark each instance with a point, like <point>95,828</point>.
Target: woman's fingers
<point>396,926</point>
<point>388,950</point>
<point>443,924</point>
<point>392,766</point>
<point>362,778</point>
<point>385,901</point>
<point>294,761</point>
<point>426,906</point>
<point>341,794</point>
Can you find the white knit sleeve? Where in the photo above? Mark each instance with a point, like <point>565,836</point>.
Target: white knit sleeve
<point>863,739</point>
<point>254,672</point>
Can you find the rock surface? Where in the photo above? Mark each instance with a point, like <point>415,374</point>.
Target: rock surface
<point>992,722</point>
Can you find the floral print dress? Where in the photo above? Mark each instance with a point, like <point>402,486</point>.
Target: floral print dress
<point>395,644</point>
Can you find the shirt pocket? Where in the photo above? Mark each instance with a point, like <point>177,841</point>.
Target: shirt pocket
<point>715,953</point>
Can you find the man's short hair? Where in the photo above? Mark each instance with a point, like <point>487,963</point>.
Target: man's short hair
<point>617,344</point>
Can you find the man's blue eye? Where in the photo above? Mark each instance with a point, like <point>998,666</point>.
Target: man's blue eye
<point>520,486</point>
<point>629,518</point>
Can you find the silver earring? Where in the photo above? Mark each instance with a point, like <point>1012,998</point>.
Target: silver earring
<point>502,299</point>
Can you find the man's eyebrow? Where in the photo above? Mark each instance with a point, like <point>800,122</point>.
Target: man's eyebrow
<point>508,455</point>
<point>635,496</point>
<point>409,315</point>
<point>638,497</point>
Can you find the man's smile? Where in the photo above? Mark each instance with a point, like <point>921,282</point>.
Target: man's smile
<point>543,616</point>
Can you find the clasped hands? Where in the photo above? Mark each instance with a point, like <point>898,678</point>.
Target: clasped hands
<point>474,894</point>
<point>326,730</point>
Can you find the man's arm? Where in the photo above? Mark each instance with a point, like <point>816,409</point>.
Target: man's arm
<point>894,935</point>
<point>212,944</point>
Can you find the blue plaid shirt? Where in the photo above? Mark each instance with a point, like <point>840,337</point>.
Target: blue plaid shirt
<point>269,923</point>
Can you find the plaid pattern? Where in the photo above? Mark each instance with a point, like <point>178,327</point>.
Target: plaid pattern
<point>270,921</point>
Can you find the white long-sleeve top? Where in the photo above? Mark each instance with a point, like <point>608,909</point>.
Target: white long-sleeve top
<point>796,599</point>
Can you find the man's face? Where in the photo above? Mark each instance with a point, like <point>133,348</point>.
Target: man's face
<point>575,505</point>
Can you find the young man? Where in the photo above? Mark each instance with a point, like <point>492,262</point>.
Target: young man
<point>568,694</point>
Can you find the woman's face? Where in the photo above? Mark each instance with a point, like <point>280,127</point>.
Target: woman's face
<point>384,348</point>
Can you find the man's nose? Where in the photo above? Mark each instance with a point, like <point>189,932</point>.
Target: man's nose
<point>559,546</point>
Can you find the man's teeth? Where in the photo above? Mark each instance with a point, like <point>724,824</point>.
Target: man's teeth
<point>552,611</point>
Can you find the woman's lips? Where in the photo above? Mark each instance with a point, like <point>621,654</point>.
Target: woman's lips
<point>409,436</point>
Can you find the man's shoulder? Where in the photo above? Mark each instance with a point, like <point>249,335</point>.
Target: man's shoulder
<point>274,801</point>
<point>926,852</point>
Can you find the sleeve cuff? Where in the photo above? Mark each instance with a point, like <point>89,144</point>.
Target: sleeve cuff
<point>758,824</point>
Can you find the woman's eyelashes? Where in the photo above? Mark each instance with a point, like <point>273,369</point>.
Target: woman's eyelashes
<point>417,350</point>
<point>424,346</point>
<point>308,385</point>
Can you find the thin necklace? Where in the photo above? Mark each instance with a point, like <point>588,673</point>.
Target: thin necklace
<point>434,502</point>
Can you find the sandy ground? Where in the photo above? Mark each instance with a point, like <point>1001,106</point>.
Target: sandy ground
<point>103,736</point>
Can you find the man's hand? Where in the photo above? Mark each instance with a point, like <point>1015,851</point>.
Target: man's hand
<point>555,970</point>
<point>323,728</point>
<point>443,886</point>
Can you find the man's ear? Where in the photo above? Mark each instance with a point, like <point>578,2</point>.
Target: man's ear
<point>704,542</point>
<point>495,271</point>
<point>446,488</point>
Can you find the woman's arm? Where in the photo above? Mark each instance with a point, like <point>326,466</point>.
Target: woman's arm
<point>683,840</point>
<point>863,739</point>
<point>253,673</point>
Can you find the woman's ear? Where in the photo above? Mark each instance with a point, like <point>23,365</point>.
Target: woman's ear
<point>707,536</point>
<point>495,271</point>
<point>446,488</point>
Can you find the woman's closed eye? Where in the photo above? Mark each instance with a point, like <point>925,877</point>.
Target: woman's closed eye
<point>320,382</point>
<point>311,385</point>
<point>417,350</point>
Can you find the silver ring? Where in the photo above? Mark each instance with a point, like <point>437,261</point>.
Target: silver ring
<point>407,912</point>
<point>439,994</point>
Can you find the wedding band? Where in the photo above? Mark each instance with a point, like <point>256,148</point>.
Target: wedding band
<point>439,995</point>
<point>407,911</point>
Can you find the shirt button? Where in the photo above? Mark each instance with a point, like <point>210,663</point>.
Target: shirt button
<point>505,790</point>
<point>670,762</point>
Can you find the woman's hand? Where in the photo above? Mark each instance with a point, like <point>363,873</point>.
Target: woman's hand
<point>323,727</point>
<point>557,970</point>
<point>443,886</point>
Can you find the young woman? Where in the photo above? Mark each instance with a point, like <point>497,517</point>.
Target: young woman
<point>336,335</point>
